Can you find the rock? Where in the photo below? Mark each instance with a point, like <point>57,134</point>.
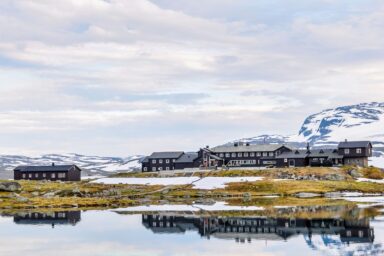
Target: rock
<point>22,199</point>
<point>49,195</point>
<point>355,173</point>
<point>10,186</point>
<point>307,195</point>
<point>247,195</point>
<point>35,193</point>
<point>205,201</point>
<point>334,177</point>
<point>165,191</point>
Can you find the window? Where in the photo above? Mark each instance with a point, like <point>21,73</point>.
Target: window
<point>44,175</point>
<point>160,168</point>
<point>30,175</point>
<point>271,154</point>
<point>61,215</point>
<point>153,169</point>
<point>346,151</point>
<point>160,161</point>
<point>167,168</point>
<point>154,161</point>
<point>36,175</point>
<point>252,154</point>
<point>221,155</point>
<point>361,233</point>
<point>61,175</point>
<point>245,154</point>
<point>265,154</point>
<point>167,161</point>
<point>227,155</point>
<point>53,175</point>
<point>145,169</point>
<point>239,155</point>
<point>358,151</point>
<point>233,154</point>
<point>258,154</point>
<point>349,233</point>
<point>23,175</point>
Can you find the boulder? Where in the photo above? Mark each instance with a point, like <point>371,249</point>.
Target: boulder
<point>49,195</point>
<point>10,186</point>
<point>355,173</point>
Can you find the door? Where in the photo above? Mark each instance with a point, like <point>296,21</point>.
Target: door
<point>291,162</point>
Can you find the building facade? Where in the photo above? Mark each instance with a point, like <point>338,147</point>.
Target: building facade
<point>265,155</point>
<point>53,173</point>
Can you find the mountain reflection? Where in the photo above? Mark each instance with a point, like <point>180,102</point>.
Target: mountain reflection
<point>48,218</point>
<point>246,229</point>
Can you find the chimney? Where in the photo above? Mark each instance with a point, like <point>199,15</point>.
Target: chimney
<point>236,144</point>
<point>53,164</point>
<point>207,146</point>
<point>247,144</point>
<point>346,140</point>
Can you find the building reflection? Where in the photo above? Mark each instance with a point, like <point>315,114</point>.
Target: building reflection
<point>262,228</point>
<point>48,218</point>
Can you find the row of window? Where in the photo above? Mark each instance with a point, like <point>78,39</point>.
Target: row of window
<point>60,175</point>
<point>160,161</point>
<point>347,151</point>
<point>246,154</point>
<point>154,169</point>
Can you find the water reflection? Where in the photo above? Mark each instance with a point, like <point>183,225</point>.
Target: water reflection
<point>262,228</point>
<point>48,218</point>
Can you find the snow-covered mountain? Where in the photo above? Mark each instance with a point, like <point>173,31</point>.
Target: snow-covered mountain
<point>327,128</point>
<point>356,122</point>
<point>91,165</point>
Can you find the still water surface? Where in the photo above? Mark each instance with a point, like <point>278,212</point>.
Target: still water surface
<point>115,233</point>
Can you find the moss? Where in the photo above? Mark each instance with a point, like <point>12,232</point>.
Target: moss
<point>373,173</point>
<point>286,188</point>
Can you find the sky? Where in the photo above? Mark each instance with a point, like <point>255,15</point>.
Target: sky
<point>124,77</point>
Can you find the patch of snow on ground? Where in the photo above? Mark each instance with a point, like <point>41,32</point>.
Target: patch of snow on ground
<point>369,180</point>
<point>205,183</point>
<point>218,206</point>
<point>220,182</point>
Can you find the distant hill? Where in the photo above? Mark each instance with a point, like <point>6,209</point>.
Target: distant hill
<point>91,165</point>
<point>327,128</point>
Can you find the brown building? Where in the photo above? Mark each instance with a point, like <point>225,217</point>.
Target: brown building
<point>52,172</point>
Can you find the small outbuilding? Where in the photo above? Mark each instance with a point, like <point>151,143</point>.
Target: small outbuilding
<point>52,172</point>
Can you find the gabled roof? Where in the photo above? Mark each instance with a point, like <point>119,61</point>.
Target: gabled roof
<point>46,168</point>
<point>250,148</point>
<point>329,153</point>
<point>355,144</point>
<point>187,158</point>
<point>293,154</point>
<point>158,155</point>
<point>145,160</point>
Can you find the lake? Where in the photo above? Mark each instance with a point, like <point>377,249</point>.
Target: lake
<point>182,230</point>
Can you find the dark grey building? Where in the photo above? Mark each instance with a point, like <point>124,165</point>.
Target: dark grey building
<point>160,161</point>
<point>355,152</point>
<point>51,172</point>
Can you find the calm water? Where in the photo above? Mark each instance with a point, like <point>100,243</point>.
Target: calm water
<point>188,233</point>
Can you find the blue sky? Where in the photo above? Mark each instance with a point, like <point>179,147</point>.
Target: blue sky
<point>123,77</point>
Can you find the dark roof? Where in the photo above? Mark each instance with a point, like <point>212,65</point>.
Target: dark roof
<point>157,155</point>
<point>329,153</point>
<point>293,154</point>
<point>145,160</point>
<point>355,144</point>
<point>250,148</point>
<point>187,158</point>
<point>45,168</point>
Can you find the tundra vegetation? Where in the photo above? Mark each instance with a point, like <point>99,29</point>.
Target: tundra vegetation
<point>291,186</point>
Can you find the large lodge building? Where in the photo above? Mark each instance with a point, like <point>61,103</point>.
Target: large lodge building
<point>268,155</point>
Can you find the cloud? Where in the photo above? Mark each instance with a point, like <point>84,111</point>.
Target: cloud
<point>237,68</point>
